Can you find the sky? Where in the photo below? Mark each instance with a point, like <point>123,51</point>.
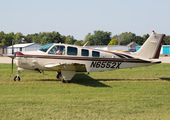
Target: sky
<point>80,17</point>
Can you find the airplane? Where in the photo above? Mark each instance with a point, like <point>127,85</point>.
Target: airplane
<point>67,59</point>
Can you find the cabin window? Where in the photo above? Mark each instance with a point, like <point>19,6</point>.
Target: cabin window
<point>95,54</point>
<point>57,50</point>
<point>71,51</point>
<point>84,52</point>
<point>20,49</point>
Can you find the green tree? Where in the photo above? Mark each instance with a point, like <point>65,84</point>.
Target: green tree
<point>114,37</point>
<point>167,40</point>
<point>17,38</point>
<point>113,42</point>
<point>56,37</point>
<point>139,40</point>
<point>89,39</point>
<point>1,35</point>
<point>46,37</point>
<point>9,37</point>
<point>145,37</point>
<point>29,38</point>
<point>126,41</point>
<point>36,38</point>
<point>42,38</point>
<point>63,38</point>
<point>78,42</point>
<point>6,39</point>
<point>3,42</point>
<point>101,37</point>
<point>126,37</point>
<point>69,40</point>
<point>98,38</point>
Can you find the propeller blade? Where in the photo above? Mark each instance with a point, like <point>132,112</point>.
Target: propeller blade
<point>13,56</point>
<point>12,65</point>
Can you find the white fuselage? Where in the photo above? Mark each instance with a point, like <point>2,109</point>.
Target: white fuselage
<point>95,60</point>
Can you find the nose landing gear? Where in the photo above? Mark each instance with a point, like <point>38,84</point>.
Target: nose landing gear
<point>17,78</point>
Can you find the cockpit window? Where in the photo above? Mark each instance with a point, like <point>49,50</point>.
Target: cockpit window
<point>46,47</point>
<point>57,50</point>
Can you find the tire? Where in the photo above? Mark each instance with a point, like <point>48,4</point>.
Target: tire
<point>58,75</point>
<point>63,81</point>
<point>16,78</point>
<point>68,81</point>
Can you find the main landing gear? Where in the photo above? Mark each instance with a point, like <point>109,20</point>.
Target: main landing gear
<point>59,75</point>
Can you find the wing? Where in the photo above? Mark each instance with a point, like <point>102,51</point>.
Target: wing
<point>66,66</point>
<point>54,66</point>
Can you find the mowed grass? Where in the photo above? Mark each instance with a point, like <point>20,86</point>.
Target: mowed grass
<point>138,93</point>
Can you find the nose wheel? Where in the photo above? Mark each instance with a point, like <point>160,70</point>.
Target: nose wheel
<point>16,78</point>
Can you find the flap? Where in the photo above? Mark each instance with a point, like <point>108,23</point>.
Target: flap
<point>54,66</point>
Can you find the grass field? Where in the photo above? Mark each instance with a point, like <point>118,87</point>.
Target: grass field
<point>139,93</point>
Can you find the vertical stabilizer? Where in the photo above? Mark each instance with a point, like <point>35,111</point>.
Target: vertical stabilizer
<point>152,46</point>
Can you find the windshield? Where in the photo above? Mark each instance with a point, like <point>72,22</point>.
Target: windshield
<point>46,47</point>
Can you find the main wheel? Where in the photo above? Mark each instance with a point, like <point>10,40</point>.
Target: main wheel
<point>67,81</point>
<point>63,81</point>
<point>16,78</point>
<point>58,75</point>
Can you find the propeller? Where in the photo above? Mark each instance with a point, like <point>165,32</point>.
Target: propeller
<point>12,58</point>
<point>12,65</point>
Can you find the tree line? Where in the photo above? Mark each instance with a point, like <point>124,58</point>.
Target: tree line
<point>97,38</point>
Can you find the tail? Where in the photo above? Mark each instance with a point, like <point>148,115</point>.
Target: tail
<point>152,46</point>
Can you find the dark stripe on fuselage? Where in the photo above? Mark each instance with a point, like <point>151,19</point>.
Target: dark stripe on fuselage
<point>114,53</point>
<point>118,54</point>
<point>122,55</point>
<point>85,58</point>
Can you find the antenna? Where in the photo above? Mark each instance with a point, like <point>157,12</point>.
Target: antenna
<point>85,44</point>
